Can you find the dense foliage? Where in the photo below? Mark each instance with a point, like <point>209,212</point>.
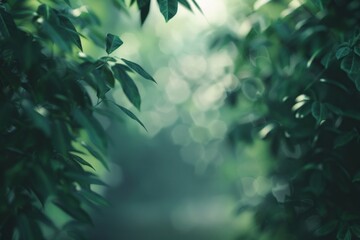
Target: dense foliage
<point>298,68</point>
<point>50,93</point>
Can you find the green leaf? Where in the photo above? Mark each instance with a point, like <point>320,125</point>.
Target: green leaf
<point>96,154</point>
<point>144,12</point>
<point>168,8</point>
<point>355,229</point>
<point>345,138</point>
<point>356,177</point>
<point>72,34</point>
<point>351,64</point>
<point>39,121</point>
<point>131,115</point>
<point>357,50</point>
<point>342,52</point>
<point>326,228</point>
<point>143,3</point>
<point>81,161</point>
<point>94,198</point>
<point>4,31</point>
<point>185,3</point>
<point>85,177</point>
<point>72,208</point>
<point>319,112</point>
<point>92,126</point>
<point>128,85</point>
<point>137,68</point>
<point>112,43</point>
<point>327,58</point>
<point>197,6</point>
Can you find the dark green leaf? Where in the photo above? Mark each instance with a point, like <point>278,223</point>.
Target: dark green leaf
<point>4,31</point>
<point>319,111</point>
<point>84,177</point>
<point>344,138</point>
<point>144,12</point>
<point>357,50</point>
<point>197,6</point>
<point>356,177</point>
<point>326,228</point>
<point>73,209</point>
<point>137,68</point>
<point>37,119</point>
<point>94,198</point>
<point>342,52</point>
<point>351,64</point>
<point>92,126</point>
<point>70,29</point>
<point>355,229</point>
<point>81,161</point>
<point>128,85</point>
<point>168,8</point>
<point>96,154</point>
<point>131,115</point>
<point>185,3</point>
<point>112,43</point>
<point>143,3</point>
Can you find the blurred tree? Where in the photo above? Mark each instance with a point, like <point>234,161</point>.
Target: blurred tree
<point>298,64</point>
<point>50,91</point>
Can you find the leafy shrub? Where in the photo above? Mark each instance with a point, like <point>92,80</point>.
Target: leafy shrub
<point>47,112</point>
<point>298,68</point>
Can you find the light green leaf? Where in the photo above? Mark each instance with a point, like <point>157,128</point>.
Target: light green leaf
<point>112,43</point>
<point>137,68</point>
<point>168,8</point>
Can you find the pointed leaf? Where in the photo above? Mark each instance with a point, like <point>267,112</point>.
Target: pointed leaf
<point>128,85</point>
<point>73,209</point>
<point>197,6</point>
<point>342,52</point>
<point>112,43</point>
<point>345,138</point>
<point>72,34</point>
<point>326,228</point>
<point>137,68</point>
<point>185,3</point>
<point>357,50</point>
<point>144,12</point>
<point>351,64</point>
<point>131,115</point>
<point>94,198</point>
<point>168,8</point>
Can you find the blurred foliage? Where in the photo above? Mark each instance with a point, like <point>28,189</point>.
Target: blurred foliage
<point>51,93</point>
<point>298,65</point>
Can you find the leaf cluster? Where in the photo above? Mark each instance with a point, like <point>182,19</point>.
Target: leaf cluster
<point>48,123</point>
<point>300,72</point>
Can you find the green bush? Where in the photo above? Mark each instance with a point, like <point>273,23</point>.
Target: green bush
<point>298,68</point>
<point>48,125</point>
